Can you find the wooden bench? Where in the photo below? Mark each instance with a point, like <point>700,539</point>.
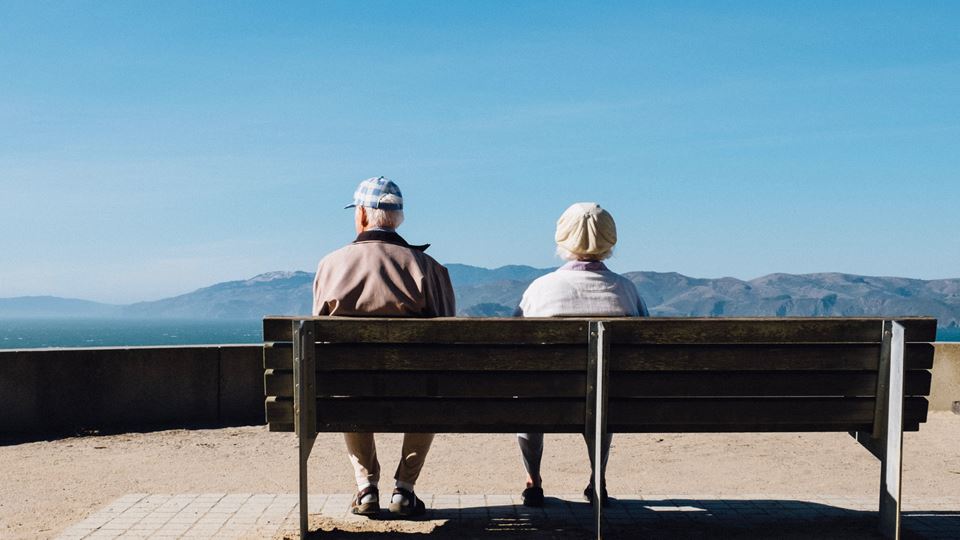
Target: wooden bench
<point>865,376</point>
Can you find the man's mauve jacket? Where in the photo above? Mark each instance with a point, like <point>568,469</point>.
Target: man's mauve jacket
<point>380,275</point>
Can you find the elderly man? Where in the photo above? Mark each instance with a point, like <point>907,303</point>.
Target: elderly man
<point>381,275</point>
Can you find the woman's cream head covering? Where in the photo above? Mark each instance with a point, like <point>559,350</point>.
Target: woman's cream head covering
<point>586,229</point>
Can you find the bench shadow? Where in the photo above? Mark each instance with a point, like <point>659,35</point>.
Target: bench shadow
<point>632,518</point>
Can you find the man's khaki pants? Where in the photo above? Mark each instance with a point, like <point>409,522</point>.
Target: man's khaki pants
<point>363,455</point>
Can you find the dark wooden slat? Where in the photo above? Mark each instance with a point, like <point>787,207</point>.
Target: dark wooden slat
<point>756,330</point>
<point>747,428</point>
<point>645,414</point>
<point>373,357</point>
<point>452,330</point>
<point>918,356</point>
<point>281,427</point>
<point>768,384</point>
<point>625,415</point>
<point>434,384</point>
<point>278,355</point>
<point>460,416</point>
<point>852,356</point>
<point>274,406</point>
<point>377,357</point>
<point>278,383</point>
<point>793,356</point>
<point>437,330</point>
<point>653,330</point>
<point>569,384</point>
<point>689,428</point>
<point>278,328</point>
<point>919,329</point>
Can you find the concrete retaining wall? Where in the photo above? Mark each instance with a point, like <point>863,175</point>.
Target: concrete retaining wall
<point>48,392</point>
<point>139,388</point>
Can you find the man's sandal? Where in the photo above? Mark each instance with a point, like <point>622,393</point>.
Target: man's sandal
<point>371,508</point>
<point>409,505</point>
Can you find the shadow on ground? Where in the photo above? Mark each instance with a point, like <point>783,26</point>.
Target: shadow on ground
<point>628,519</point>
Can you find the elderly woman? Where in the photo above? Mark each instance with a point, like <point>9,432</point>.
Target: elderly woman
<point>582,287</point>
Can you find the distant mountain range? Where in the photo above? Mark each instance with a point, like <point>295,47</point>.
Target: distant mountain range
<point>483,292</point>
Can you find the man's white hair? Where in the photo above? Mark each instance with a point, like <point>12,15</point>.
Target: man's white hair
<point>568,255</point>
<point>385,219</point>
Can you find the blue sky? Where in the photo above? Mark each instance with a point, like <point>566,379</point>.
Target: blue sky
<point>151,148</point>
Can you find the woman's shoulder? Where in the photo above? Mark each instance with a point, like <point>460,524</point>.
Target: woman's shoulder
<point>547,281</point>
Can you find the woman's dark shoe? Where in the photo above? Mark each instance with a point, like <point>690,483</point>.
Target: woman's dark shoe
<point>408,506</point>
<point>369,508</point>
<point>532,497</point>
<point>604,497</point>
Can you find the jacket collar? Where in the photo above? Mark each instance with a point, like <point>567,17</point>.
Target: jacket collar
<point>389,237</point>
<point>591,266</point>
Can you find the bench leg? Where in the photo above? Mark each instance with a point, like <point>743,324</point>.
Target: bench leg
<point>885,442</point>
<point>305,446</point>
<point>304,405</point>
<point>596,418</point>
<point>891,465</point>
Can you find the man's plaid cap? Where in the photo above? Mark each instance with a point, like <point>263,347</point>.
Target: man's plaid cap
<point>371,192</point>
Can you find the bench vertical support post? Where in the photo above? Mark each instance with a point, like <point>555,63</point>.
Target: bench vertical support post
<point>596,411</point>
<point>889,426</point>
<point>304,404</point>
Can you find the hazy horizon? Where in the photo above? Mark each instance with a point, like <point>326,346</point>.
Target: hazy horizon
<point>241,279</point>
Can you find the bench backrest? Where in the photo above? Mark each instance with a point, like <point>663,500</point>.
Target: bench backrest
<point>658,374</point>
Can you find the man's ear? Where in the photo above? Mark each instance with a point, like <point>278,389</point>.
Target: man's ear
<point>364,220</point>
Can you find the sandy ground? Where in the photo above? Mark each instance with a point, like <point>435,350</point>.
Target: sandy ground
<point>49,485</point>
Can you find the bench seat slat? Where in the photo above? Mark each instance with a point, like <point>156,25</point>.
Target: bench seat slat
<point>467,415</point>
<point>634,415</point>
<point>688,428</point>
<point>627,413</point>
<point>573,384</point>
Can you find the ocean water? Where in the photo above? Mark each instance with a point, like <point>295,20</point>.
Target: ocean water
<point>948,334</point>
<point>39,333</point>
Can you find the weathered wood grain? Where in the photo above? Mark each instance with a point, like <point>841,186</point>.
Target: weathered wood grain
<point>789,356</point>
<point>762,330</point>
<point>651,415</point>
<point>434,384</point>
<point>376,357</point>
<point>752,384</point>
<point>572,384</point>
<point>437,330</point>
<point>623,330</point>
<point>459,416</point>
<point>278,328</point>
<point>832,414</point>
<point>666,374</point>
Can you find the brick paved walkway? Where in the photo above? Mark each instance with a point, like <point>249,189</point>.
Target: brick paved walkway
<point>501,516</point>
